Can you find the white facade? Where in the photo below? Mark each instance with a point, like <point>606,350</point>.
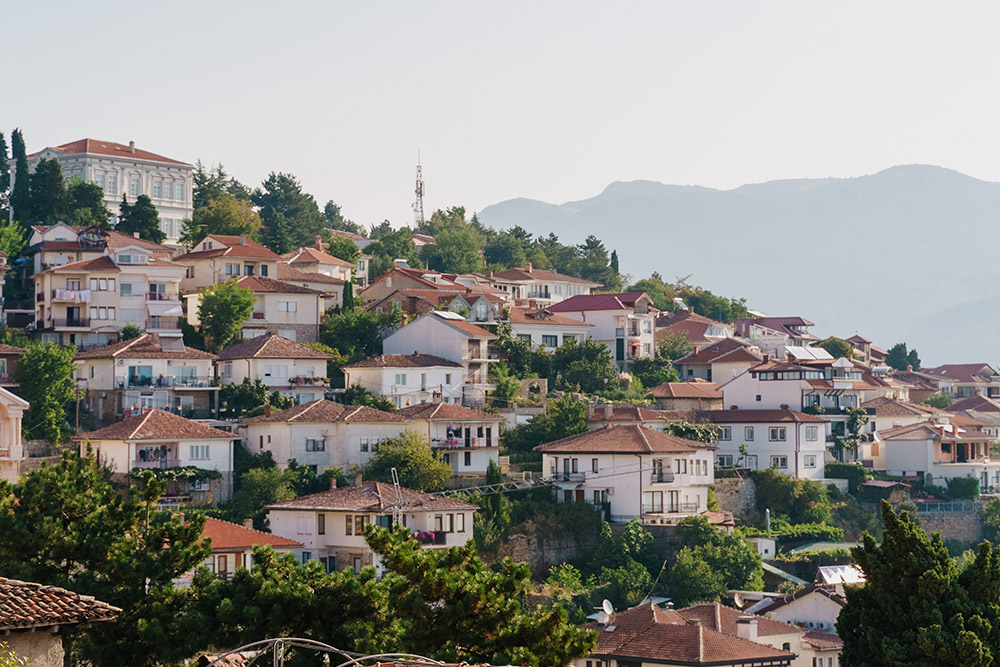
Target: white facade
<point>322,444</point>
<point>12,453</point>
<point>795,444</point>
<point>407,385</point>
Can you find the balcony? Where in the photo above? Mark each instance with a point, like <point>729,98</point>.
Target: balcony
<point>7,378</point>
<point>162,296</point>
<point>71,295</point>
<point>665,477</point>
<point>463,443</point>
<point>156,464</point>
<point>679,508</point>
<point>82,322</point>
<point>183,382</point>
<point>257,316</point>
<point>309,381</point>
<point>570,476</point>
<point>163,323</point>
<point>430,537</point>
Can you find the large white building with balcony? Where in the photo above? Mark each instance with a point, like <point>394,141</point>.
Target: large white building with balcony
<point>290,368</point>
<point>331,524</point>
<point>121,169</point>
<point>633,472</point>
<point>12,454</point>
<point>624,322</point>
<point>542,287</point>
<point>408,379</point>
<point>467,440</point>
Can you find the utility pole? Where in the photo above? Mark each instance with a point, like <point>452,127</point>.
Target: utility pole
<point>418,205</point>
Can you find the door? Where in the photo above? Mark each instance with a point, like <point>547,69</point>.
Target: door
<point>673,497</point>
<point>73,316</point>
<point>566,468</point>
<point>579,496</point>
<point>145,402</point>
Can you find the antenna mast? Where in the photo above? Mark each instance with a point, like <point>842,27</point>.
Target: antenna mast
<point>418,205</point>
<point>397,507</point>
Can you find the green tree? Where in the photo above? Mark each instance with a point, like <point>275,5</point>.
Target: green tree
<point>585,366</point>
<point>455,250</point>
<point>4,178</point>
<point>223,310</point>
<point>336,220</point>
<point>348,302</point>
<point>916,608</point>
<point>837,347</point>
<point>282,194</point>
<point>225,215</point>
<point>278,237</point>
<point>562,418</point>
<point>856,419</point>
<point>45,377</point>
<point>660,292</point>
<point>357,334</point>
<point>672,346</point>
<point>594,263</point>
<point>703,302</point>
<point>259,487</point>
<point>48,192</point>
<point>85,204</point>
<point>940,400</point>
<point>247,399</point>
<point>697,432</point>
<point>20,194</point>
<point>358,395</point>
<point>900,357</point>
<point>213,183</point>
<point>342,248</point>
<point>455,608</point>
<point>507,386</point>
<point>734,562</point>
<point>492,522</point>
<point>653,371</point>
<point>507,249</point>
<point>130,331</point>
<point>140,217</point>
<point>12,239</point>
<point>414,460</point>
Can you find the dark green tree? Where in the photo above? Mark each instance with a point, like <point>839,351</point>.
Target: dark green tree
<point>4,177</point>
<point>259,487</point>
<point>140,217</point>
<point>348,302</point>
<point>336,220</point>
<point>223,309</point>
<point>697,432</point>
<point>837,347</point>
<point>213,183</point>
<point>653,371</point>
<point>940,400</point>
<point>594,263</point>
<point>614,262</point>
<point>130,331</point>
<point>277,236</point>
<point>357,333</point>
<point>455,250</point>
<point>562,418</point>
<point>20,194</point>
<point>733,562</point>
<point>247,399</point>
<point>660,292</point>
<point>48,192</point>
<point>414,460</point>
<point>586,366</point>
<point>45,377</point>
<point>282,193</point>
<point>899,357</point>
<point>225,215</point>
<point>507,249</point>
<point>358,395</point>
<point>672,346</point>
<point>85,204</point>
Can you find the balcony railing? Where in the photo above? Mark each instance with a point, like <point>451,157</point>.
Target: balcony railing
<point>162,296</point>
<point>74,295</point>
<point>679,508</point>
<point>71,322</point>
<point>163,323</point>
<point>463,443</point>
<point>664,477</point>
<point>156,464</point>
<point>570,476</point>
<point>7,378</point>
<point>166,381</point>
<point>430,537</point>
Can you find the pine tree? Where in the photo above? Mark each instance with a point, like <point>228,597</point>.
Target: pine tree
<point>20,195</point>
<point>48,192</point>
<point>278,238</point>
<point>4,178</point>
<point>140,217</point>
<point>348,301</point>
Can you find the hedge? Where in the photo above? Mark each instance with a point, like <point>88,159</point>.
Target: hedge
<point>855,474</point>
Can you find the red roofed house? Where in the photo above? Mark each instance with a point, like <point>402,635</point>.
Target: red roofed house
<point>408,379</point>
<point>696,329</point>
<point>941,451</point>
<point>120,169</point>
<point>232,545</point>
<point>87,303</point>
<point>132,376</point>
<point>476,306</point>
<point>467,440</point>
<point>646,635</point>
<point>718,361</point>
<point>623,322</point>
<point>286,366</point>
<point>323,434</point>
<point>330,524</point>
<point>218,258</point>
<point>33,618</point>
<point>697,395</point>
<point>546,329</point>
<point>406,279</point>
<point>815,608</point>
<point>965,380</point>
<point>160,440</point>
<point>609,414</point>
<point>632,472</point>
<point>451,337</point>
<point>542,287</point>
<point>774,334</point>
<point>315,260</point>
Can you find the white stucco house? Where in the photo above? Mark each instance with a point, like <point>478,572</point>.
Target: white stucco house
<point>467,440</point>
<point>286,366</point>
<point>624,322</point>
<point>408,379</point>
<point>12,454</point>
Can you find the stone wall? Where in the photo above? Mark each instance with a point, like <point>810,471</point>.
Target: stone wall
<point>541,549</point>
<point>737,495</point>
<point>42,649</point>
<point>962,526</point>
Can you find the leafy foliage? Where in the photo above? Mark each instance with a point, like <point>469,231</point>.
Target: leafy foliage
<point>697,432</point>
<point>358,395</point>
<point>653,371</point>
<point>223,309</point>
<point>714,562</point>
<point>415,463</point>
<point>837,347</point>
<point>562,418</point>
<point>335,220</point>
<point>356,334</point>
<point>940,400</point>
<point>281,194</point>
<point>45,377</point>
<point>140,217</point>
<point>224,214</point>
<point>963,488</point>
<point>130,331</point>
<point>247,399</point>
<point>899,357</point>
<point>585,366</point>
<point>855,474</point>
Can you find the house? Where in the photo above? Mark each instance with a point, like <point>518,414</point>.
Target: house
<point>918,387</point>
<point>646,635</point>
<point>331,289</point>
<point>450,337</point>
<point>609,414</point>
<point>87,303</point>
<point>34,618</point>
<point>411,303</point>
<point>696,395</point>
<point>220,257</point>
<point>865,351</point>
<point>291,311</point>
<point>330,524</point>
<point>147,372</point>
<point>361,271</point>
<point>791,442</point>
<point>407,279</point>
<point>467,440</point>
<point>696,329</point>
<point>126,170</point>
<point>408,379</point>
<point>986,410</point>
<point>359,240</point>
<point>939,452</point>
<point>814,607</point>
<point>632,472</point>
<point>545,329</point>
<point>540,286</point>
<point>774,334</point>
<point>623,322</point>
<point>284,365</point>
<point>10,359</point>
<point>888,413</point>
<point>12,454</point>
<point>160,440</point>
<point>718,361</point>
<point>323,434</point>
<point>965,380</point>
<point>316,260</point>
<point>233,544</point>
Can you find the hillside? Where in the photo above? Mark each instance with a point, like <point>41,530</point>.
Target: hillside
<point>889,255</point>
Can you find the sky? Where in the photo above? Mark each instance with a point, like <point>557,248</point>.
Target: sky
<point>550,101</point>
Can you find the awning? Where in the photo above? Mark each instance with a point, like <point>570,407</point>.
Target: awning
<point>165,309</point>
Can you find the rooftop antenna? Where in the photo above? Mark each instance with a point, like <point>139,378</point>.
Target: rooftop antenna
<point>397,507</point>
<point>418,205</point>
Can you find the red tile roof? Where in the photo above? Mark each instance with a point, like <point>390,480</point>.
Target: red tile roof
<point>466,327</point>
<point>142,346</point>
<point>271,346</point>
<point>10,349</point>
<point>727,349</point>
<point>634,413</point>
<point>587,302</point>
<point>977,403</point>
<point>758,416</point>
<point>927,431</point>
<point>962,372</point>
<point>309,255</point>
<point>122,151</point>
<point>444,412</point>
<point>415,360</point>
<point>804,592</point>
<point>259,284</point>
<point>823,641</point>
<point>706,390</point>
<point>322,411</point>
<point>157,424</point>
<point>630,439</point>
<point>372,497</point>
<point>286,273</point>
<point>519,315</point>
<point>888,407</point>
<point>233,246</point>
<point>724,619</point>
<point>530,273</point>
<point>226,535</point>
<point>29,606</point>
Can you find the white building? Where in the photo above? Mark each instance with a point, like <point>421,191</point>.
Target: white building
<point>544,329</point>
<point>939,452</point>
<point>121,169</point>
<point>12,454</point>
<point>542,287</point>
<point>467,440</point>
<point>408,379</point>
<point>791,442</point>
<point>623,322</point>
<point>632,471</point>
<point>286,366</point>
<point>331,524</point>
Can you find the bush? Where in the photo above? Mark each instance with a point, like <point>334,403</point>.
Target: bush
<point>854,473</point>
<point>802,501</point>
<point>963,488</point>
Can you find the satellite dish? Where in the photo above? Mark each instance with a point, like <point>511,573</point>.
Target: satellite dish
<point>608,607</point>
<point>738,600</point>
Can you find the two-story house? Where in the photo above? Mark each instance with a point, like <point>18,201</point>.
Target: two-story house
<point>451,337</point>
<point>331,524</point>
<point>330,288</point>
<point>87,303</point>
<point>147,372</point>
<point>632,472</point>
<point>718,361</point>
<point>404,278</point>
<point>467,440</point>
<point>695,395</point>
<point>408,379</point>
<point>284,365</point>
<point>542,287</point>
<point>965,380</point>
<point>157,439</point>
<point>232,547</point>
<point>219,257</point>
<point>938,452</point>
<point>323,434</point>
<point>791,442</point>
<point>696,329</point>
<point>774,334</point>
<point>316,260</point>
<point>542,328</point>
<point>623,322</point>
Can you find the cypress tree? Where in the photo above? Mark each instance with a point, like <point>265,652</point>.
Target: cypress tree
<point>48,192</point>
<point>140,217</point>
<point>278,237</point>
<point>20,195</point>
<point>348,295</point>
<point>4,176</point>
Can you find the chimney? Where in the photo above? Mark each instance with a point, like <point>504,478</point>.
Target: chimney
<point>590,410</point>
<point>131,147</point>
<point>248,524</point>
<point>416,352</point>
<point>746,628</point>
<point>404,320</point>
<point>909,367</point>
<point>243,239</point>
<point>135,235</point>
<point>784,406</point>
<point>357,478</point>
<point>267,409</point>
<point>527,267</point>
<point>609,410</point>
<point>333,483</point>
<point>319,242</point>
<point>767,358</point>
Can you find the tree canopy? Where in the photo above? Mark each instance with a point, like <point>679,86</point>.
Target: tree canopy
<point>899,357</point>
<point>140,217</point>
<point>45,380</point>
<point>223,309</point>
<point>225,215</point>
<point>414,460</point>
<point>282,194</point>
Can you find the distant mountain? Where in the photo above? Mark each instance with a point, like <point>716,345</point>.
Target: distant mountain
<point>904,254</point>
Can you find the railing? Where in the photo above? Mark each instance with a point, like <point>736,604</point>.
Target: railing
<point>74,295</point>
<point>71,322</point>
<point>462,443</point>
<point>4,452</point>
<point>570,476</point>
<point>258,316</point>
<point>661,477</point>
<point>6,378</point>
<point>158,463</point>
<point>165,381</point>
<point>430,537</point>
<point>162,296</point>
<point>163,323</point>
<point>39,297</point>
<point>952,506</point>
<point>679,508</point>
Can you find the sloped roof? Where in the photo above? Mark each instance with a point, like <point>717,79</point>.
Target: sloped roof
<point>803,592</point>
<point>372,497</point>
<point>706,390</point>
<point>444,412</point>
<point>271,346</point>
<point>635,413</point>
<point>323,411</point>
<point>682,315</point>
<point>585,302</point>
<point>889,407</point>
<point>415,360</point>
<point>628,439</point>
<point>28,606</point>
<point>97,147</point>
<point>286,273</point>
<point>261,284</point>
<point>727,349</point>
<point>977,403</point>
<point>463,325</point>
<point>157,424</point>
<point>528,273</point>
<point>11,349</point>
<point>226,535</point>
<point>232,246</point>
<point>823,641</point>
<point>519,315</point>
<point>914,379</point>
<point>758,416</point>
<point>723,619</point>
<point>960,372</point>
<point>142,346</point>
<point>307,255</point>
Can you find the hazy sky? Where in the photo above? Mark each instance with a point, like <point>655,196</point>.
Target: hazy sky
<point>547,100</point>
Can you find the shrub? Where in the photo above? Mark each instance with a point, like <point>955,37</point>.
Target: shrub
<point>963,488</point>
<point>854,473</point>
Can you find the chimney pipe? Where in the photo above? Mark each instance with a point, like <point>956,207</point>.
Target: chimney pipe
<point>135,235</point>
<point>131,147</point>
<point>746,628</point>
<point>527,267</point>
<point>357,478</point>
<point>243,239</point>
<point>333,483</point>
<point>267,409</point>
<point>319,242</point>
<point>609,410</point>
<point>248,524</point>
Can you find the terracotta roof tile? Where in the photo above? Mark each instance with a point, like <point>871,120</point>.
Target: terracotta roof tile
<point>372,497</point>
<point>724,619</point>
<point>823,641</point>
<point>142,346</point>
<point>286,273</point>
<point>527,274</point>
<point>10,349</point>
<point>122,151</point>
<point>444,412</point>
<point>308,255</point>
<point>415,360</point>
<point>585,302</point>
<point>261,284</point>
<point>518,315</point>
<point>157,424</point>
<point>706,390</point>
<point>635,413</point>
<point>226,535</point>
<point>888,407</point>
<point>623,440</point>
<point>466,327</point>
<point>270,346</point>
<point>323,411</point>
<point>25,605</point>
<point>727,349</point>
<point>961,372</point>
<point>977,403</point>
<point>758,416</point>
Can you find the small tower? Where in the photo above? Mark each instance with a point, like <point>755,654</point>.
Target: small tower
<point>418,205</point>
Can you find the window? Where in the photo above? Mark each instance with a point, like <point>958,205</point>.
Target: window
<point>198,485</point>
<point>112,184</point>
<point>726,433</point>
<point>724,460</point>
<point>550,341</point>
<point>350,525</point>
<point>100,181</point>
<point>812,433</point>
<point>287,306</point>
<point>780,462</point>
<point>180,192</point>
<point>227,370</point>
<point>359,524</point>
<point>313,445</point>
<point>468,459</point>
<point>364,444</point>
<point>170,191</point>
<point>525,337</point>
<point>460,523</point>
<point>776,434</point>
<point>135,187</point>
<point>748,433</point>
<point>447,378</point>
<point>321,524</point>
<point>72,284</point>
<point>758,398</point>
<point>682,466</point>
<point>809,460</point>
<point>401,378</point>
<point>199,452</point>
<point>157,189</point>
<point>593,465</point>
